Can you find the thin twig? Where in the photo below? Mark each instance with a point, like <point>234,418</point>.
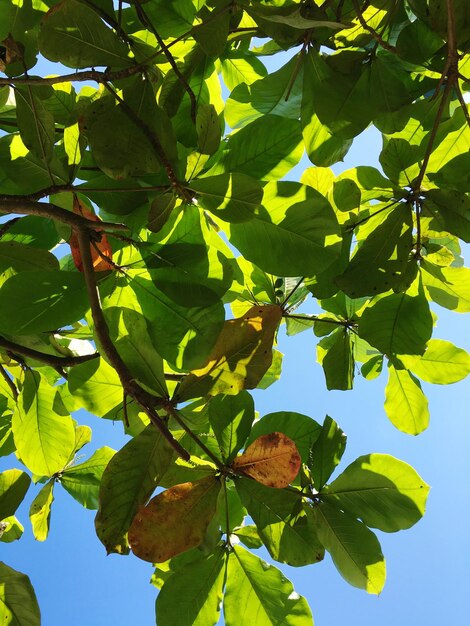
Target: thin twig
<point>352,227</point>
<point>48,359</point>
<point>170,409</point>
<point>328,320</point>
<point>291,293</point>
<point>371,31</point>
<point>9,382</point>
<point>169,57</point>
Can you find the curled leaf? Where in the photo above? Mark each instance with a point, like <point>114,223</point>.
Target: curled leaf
<point>101,252</point>
<point>273,460</point>
<point>174,521</point>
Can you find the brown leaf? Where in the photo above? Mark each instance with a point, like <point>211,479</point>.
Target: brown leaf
<point>240,358</point>
<point>100,251</point>
<point>174,521</point>
<point>273,460</point>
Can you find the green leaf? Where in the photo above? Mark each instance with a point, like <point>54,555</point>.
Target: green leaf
<point>97,387</point>
<point>384,492</point>
<point>255,588</point>
<point>75,35</point>
<point>405,403</point>
<point>323,147</point>
<point>35,122</point>
<point>293,233</point>
<point>19,257</point>
<point>192,596</point>
<point>208,129</point>
<point>239,67</point>
<point>451,209</point>
<point>441,364</point>
<point>18,604</point>
<point>44,438</point>
<point>380,262</point>
<point>128,482</point>
<point>335,354</point>
<point>447,286</point>
<point>231,418</point>
<point>326,452</point>
<point>10,530</point>
<point>398,324</point>
<point>232,197</point>
<point>83,481</point>
<point>303,430</point>
<point>40,511</point>
<point>265,149</point>
<point>14,484</point>
<point>265,96</point>
<point>182,335</point>
<point>38,301</point>
<point>355,549</point>
<point>129,333</point>
<point>286,529</point>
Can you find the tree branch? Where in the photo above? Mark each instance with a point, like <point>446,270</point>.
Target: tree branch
<point>145,400</point>
<point>48,359</point>
<point>371,31</point>
<point>9,382</point>
<point>23,206</point>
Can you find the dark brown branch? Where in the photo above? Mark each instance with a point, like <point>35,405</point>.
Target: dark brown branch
<point>23,206</point>
<point>371,31</point>
<point>146,401</point>
<point>9,382</point>
<point>48,359</point>
<point>169,57</point>
<point>111,21</point>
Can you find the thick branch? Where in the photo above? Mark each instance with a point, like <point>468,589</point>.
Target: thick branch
<point>22,206</point>
<point>48,359</point>
<point>144,399</point>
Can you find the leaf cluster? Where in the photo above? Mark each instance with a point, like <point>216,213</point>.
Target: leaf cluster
<point>155,240</point>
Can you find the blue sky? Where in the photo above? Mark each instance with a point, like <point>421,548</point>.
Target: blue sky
<point>427,580</point>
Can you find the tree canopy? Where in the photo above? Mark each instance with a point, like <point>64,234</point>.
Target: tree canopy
<point>152,245</point>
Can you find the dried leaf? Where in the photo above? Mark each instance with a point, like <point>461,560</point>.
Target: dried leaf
<point>240,358</point>
<point>174,521</point>
<point>100,250</point>
<point>273,460</point>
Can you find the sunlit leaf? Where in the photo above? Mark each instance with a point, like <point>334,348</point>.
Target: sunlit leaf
<point>18,604</point>
<point>40,511</point>
<point>384,492</point>
<point>255,588</point>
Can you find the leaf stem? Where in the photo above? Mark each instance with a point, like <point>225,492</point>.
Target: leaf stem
<point>9,382</point>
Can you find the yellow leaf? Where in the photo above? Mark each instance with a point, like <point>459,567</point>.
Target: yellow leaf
<point>174,521</point>
<point>240,358</point>
<point>273,460</point>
